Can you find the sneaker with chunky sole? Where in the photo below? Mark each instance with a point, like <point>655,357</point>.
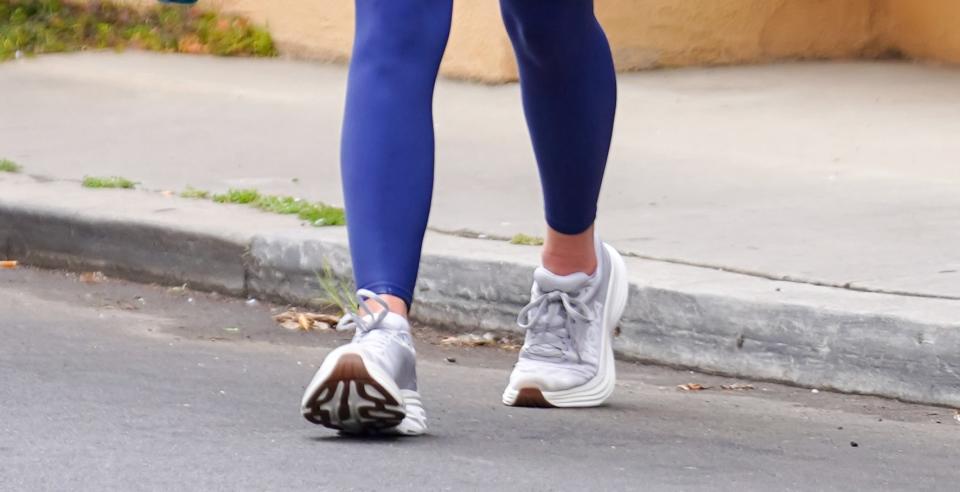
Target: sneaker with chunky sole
<point>369,385</point>
<point>567,355</point>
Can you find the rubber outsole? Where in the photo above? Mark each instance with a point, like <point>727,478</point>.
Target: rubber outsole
<point>531,397</point>
<point>351,400</point>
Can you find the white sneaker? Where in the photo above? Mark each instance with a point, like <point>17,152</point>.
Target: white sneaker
<point>567,356</point>
<point>370,384</point>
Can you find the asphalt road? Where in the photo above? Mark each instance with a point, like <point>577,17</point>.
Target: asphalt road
<point>119,386</point>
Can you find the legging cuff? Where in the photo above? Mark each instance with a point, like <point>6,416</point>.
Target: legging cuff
<point>569,227</point>
<point>390,289</point>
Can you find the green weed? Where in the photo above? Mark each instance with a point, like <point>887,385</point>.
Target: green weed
<point>8,166</point>
<point>526,240</point>
<point>321,214</point>
<point>194,193</point>
<point>337,292</point>
<point>316,213</point>
<point>241,196</point>
<point>108,182</point>
<point>281,204</point>
<point>51,26</point>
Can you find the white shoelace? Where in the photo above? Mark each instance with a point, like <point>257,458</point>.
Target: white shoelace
<point>353,320</point>
<point>543,328</point>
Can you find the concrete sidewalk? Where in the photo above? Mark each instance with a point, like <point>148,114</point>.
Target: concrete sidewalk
<point>790,222</point>
<point>836,174</point>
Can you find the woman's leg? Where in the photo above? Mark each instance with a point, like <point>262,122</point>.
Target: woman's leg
<point>387,166</point>
<point>569,96</point>
<point>387,147</point>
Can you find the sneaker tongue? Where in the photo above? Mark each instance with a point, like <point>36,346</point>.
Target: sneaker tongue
<point>548,281</point>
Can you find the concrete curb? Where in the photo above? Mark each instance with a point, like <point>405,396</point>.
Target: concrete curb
<point>894,346</point>
<point>52,239</point>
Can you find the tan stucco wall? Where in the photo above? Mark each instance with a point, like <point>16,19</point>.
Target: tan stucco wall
<point>318,29</point>
<point>650,33</point>
<point>658,33</point>
<point>323,29</point>
<point>928,29</point>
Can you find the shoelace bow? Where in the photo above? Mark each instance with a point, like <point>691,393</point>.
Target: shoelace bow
<point>574,309</point>
<point>353,320</point>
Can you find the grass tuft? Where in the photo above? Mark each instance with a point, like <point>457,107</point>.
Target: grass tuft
<point>108,182</point>
<point>321,214</point>
<point>337,292</point>
<point>316,213</point>
<point>51,26</point>
<point>280,204</point>
<point>241,196</point>
<point>194,193</point>
<point>526,240</point>
<point>8,166</point>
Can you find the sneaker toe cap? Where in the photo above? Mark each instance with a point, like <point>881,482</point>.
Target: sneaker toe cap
<point>547,377</point>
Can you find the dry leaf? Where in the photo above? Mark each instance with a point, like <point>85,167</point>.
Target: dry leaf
<point>191,44</point>
<point>126,306</point>
<point>736,387</point>
<point>293,320</point>
<point>8,264</point>
<point>474,340</point>
<point>469,340</point>
<point>180,289</point>
<point>692,387</point>
<point>508,345</point>
<point>92,277</point>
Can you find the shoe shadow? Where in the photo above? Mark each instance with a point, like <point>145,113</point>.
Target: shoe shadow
<point>367,438</point>
<point>618,406</point>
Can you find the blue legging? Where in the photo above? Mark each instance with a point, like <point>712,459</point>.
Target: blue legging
<point>569,96</point>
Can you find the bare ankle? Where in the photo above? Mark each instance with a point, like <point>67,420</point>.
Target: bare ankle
<point>394,303</point>
<point>564,254</point>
